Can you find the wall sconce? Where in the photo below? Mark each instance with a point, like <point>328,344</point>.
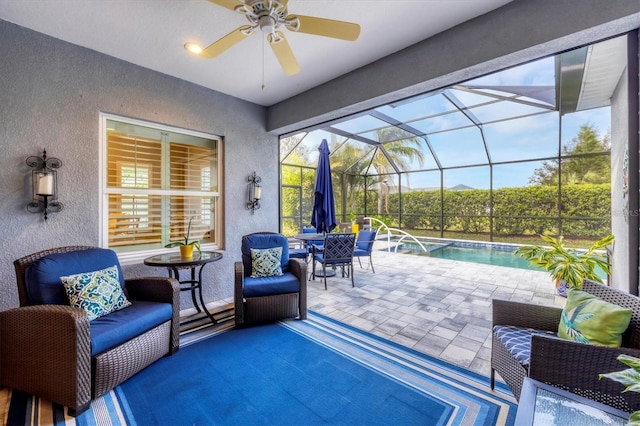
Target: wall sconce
<point>254,191</point>
<point>44,184</point>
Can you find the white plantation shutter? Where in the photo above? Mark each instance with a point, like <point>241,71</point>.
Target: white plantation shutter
<point>156,182</point>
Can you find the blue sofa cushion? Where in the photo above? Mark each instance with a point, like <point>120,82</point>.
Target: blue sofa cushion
<point>517,341</point>
<point>42,278</point>
<point>285,283</point>
<point>118,327</point>
<point>264,241</point>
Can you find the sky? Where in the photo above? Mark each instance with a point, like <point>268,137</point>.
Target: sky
<point>525,138</point>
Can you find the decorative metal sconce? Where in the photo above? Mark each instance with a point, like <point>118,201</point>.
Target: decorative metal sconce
<point>44,184</point>
<point>254,191</point>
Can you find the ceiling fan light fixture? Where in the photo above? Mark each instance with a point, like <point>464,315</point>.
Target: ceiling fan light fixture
<point>268,24</point>
<point>193,47</point>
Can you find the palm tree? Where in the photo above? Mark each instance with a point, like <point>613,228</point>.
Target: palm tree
<point>399,150</point>
<point>355,163</point>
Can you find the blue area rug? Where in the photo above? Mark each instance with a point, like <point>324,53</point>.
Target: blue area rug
<point>317,371</point>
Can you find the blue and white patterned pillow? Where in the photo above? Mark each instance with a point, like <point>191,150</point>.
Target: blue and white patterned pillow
<point>97,293</point>
<point>266,262</point>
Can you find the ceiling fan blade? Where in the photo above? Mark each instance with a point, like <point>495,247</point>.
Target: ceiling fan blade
<point>229,4</point>
<point>327,27</point>
<point>284,53</point>
<point>219,46</point>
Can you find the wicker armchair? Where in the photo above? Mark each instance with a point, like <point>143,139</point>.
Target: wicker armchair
<point>562,363</point>
<point>259,300</point>
<point>46,349</point>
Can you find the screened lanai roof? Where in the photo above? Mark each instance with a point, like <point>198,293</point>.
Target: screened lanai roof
<point>512,115</point>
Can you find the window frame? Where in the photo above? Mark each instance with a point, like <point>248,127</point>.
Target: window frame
<point>137,256</point>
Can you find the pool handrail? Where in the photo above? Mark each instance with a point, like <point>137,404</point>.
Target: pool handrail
<point>389,232</point>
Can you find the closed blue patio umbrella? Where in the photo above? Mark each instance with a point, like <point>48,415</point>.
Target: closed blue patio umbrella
<point>323,217</point>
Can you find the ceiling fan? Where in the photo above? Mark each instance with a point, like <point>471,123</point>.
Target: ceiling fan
<point>270,16</point>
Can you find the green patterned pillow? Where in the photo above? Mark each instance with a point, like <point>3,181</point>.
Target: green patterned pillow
<point>266,262</point>
<point>97,293</point>
<point>588,319</point>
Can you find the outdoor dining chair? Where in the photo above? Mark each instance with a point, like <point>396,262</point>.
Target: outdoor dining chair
<point>364,246</point>
<point>337,251</point>
<point>305,252</point>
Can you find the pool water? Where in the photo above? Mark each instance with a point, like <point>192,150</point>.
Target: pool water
<point>486,256</point>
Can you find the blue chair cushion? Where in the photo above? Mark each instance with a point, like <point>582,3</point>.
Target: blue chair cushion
<point>264,241</point>
<point>320,258</point>
<point>118,327</point>
<point>42,278</point>
<point>365,241</point>
<point>360,252</point>
<point>517,341</point>
<point>285,283</point>
<point>298,253</point>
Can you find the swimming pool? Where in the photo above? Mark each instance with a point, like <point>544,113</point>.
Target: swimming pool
<point>499,255</point>
<point>470,251</point>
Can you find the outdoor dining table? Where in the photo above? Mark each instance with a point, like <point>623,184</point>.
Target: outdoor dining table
<point>307,237</point>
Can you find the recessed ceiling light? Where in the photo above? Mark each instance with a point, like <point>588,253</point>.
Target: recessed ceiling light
<point>193,47</point>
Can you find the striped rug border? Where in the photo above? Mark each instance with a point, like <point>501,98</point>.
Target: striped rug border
<point>467,391</point>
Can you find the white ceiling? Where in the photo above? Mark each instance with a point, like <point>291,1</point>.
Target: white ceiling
<point>151,33</point>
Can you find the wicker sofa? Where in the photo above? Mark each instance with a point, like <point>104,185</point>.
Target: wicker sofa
<point>53,350</point>
<point>265,299</point>
<point>562,363</point>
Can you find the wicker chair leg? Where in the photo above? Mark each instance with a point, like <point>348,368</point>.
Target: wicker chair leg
<point>493,379</point>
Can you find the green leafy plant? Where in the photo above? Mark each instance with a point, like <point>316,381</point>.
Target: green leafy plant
<point>185,241</point>
<point>570,266</point>
<point>630,378</point>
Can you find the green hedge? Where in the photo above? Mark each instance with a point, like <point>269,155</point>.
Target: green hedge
<point>585,210</point>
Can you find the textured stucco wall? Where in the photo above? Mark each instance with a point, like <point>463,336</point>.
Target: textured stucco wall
<point>620,201</point>
<point>51,93</point>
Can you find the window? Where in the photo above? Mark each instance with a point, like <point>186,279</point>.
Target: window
<point>156,179</point>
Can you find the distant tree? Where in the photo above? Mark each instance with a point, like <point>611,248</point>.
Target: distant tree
<point>402,150</point>
<point>579,168</point>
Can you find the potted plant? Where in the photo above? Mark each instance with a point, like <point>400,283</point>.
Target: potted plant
<point>186,246</point>
<point>630,378</point>
<point>568,266</point>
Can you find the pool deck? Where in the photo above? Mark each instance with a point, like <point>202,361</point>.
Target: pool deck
<point>436,306</point>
